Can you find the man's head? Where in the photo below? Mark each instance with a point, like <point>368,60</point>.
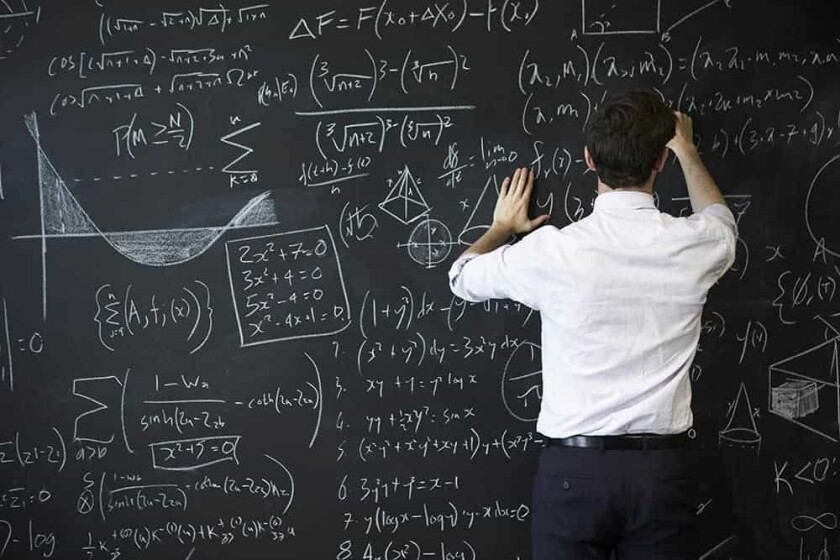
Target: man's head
<point>626,138</point>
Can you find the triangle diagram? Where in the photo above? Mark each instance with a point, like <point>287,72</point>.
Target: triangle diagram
<point>818,363</point>
<point>741,426</point>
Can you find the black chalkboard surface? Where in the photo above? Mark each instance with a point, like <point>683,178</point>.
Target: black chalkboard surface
<point>225,326</point>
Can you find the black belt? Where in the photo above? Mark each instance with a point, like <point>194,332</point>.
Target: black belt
<point>630,441</point>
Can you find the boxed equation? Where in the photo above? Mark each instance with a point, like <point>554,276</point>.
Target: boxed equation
<point>287,286</point>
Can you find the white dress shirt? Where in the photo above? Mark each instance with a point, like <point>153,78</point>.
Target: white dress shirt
<point>620,294</point>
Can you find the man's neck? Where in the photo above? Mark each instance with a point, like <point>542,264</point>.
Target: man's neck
<point>645,188</point>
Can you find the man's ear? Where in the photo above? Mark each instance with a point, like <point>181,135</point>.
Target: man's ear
<point>590,163</point>
<point>660,163</point>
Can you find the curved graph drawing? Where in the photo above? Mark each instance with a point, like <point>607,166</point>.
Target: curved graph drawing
<point>171,247</point>
<point>63,217</point>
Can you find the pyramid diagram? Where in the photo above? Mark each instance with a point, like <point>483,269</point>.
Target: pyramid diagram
<point>405,202</point>
<point>804,389</point>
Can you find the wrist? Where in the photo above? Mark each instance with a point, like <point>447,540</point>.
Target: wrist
<point>502,229</point>
<point>686,151</point>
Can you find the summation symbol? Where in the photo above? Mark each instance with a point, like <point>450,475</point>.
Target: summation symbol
<point>239,176</point>
<point>405,202</point>
<point>429,243</point>
<point>740,430</point>
<point>106,397</point>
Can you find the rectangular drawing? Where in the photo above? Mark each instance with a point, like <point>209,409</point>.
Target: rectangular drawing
<point>287,286</point>
<point>195,453</point>
<point>795,398</point>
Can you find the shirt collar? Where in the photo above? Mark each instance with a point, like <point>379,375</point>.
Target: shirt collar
<point>626,200</point>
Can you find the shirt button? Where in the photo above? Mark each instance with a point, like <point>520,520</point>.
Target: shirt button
<point>565,485</point>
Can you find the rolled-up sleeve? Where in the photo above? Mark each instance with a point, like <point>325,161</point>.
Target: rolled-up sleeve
<point>722,214</point>
<point>720,219</point>
<point>505,273</point>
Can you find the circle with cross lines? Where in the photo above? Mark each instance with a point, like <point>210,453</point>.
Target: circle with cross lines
<point>429,243</point>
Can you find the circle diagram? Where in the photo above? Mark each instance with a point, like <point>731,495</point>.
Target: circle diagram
<point>822,206</point>
<point>429,243</point>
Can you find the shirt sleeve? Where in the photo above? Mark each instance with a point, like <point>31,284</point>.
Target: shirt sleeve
<point>722,213</point>
<point>505,273</point>
<point>722,220</point>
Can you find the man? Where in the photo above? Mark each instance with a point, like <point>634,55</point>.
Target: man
<point>620,294</point>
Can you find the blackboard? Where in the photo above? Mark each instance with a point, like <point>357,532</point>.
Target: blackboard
<point>225,326</point>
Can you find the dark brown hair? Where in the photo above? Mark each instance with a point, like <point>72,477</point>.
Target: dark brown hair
<point>626,136</point>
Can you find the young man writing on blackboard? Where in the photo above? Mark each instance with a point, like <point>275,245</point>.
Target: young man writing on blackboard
<point>620,294</point>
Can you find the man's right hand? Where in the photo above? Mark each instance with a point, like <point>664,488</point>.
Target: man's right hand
<point>511,213</point>
<point>683,140</point>
<point>702,189</point>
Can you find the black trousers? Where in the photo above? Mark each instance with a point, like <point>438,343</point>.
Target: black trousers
<point>591,504</point>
